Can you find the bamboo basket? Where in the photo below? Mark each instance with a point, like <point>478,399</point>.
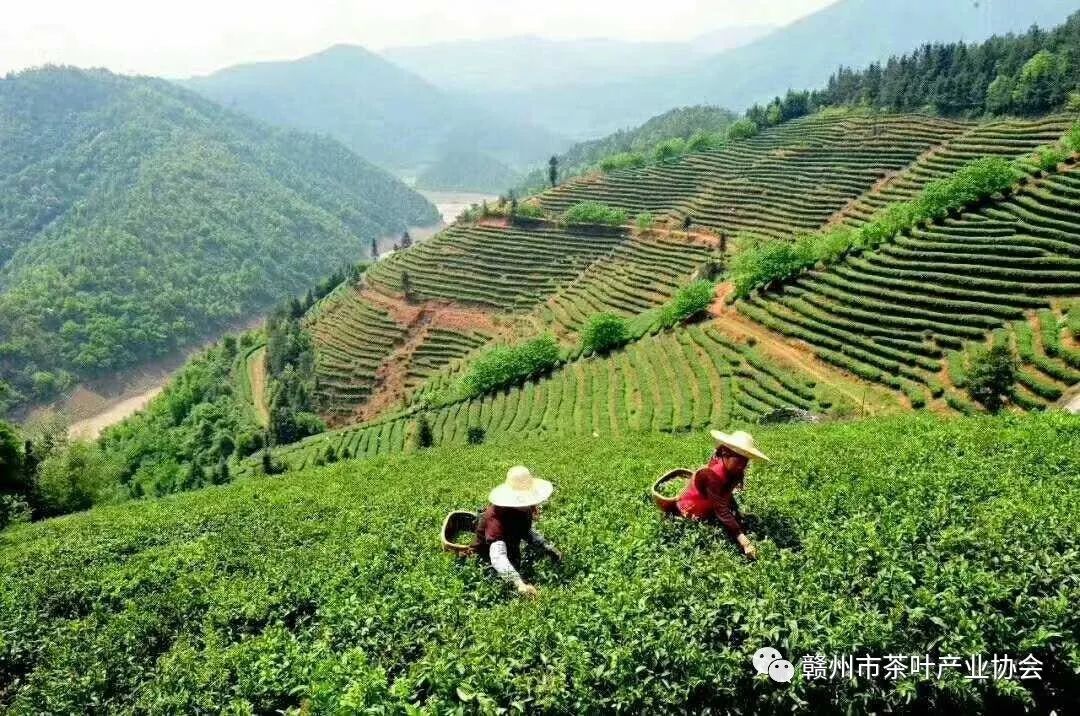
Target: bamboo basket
<point>669,505</point>
<point>455,522</point>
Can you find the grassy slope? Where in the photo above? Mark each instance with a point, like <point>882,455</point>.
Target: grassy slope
<point>903,535</point>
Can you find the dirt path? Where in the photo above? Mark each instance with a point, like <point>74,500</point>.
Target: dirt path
<point>419,320</point>
<point>798,354</point>
<point>256,368</point>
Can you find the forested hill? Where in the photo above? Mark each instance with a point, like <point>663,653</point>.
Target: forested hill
<point>379,110</point>
<point>135,216</point>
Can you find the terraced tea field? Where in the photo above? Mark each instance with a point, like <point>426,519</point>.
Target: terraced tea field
<point>1011,139</point>
<point>888,316</point>
<point>672,382</point>
<point>891,314</point>
<point>636,277</point>
<point>790,178</point>
<point>352,338</point>
<point>505,269</point>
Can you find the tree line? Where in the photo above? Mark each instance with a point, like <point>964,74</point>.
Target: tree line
<point>1028,74</point>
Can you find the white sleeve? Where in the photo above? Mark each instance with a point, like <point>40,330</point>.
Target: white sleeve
<point>501,563</point>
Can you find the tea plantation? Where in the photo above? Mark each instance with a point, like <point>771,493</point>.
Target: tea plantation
<point>325,591</point>
<point>672,382</point>
<point>892,314</point>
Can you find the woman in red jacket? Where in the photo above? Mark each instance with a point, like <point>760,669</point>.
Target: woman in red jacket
<point>709,496</point>
<point>508,521</point>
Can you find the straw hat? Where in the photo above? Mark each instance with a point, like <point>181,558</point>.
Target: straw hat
<point>521,489</point>
<point>741,442</point>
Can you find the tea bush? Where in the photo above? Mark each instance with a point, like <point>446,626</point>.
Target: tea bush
<point>325,591</point>
<point>503,366</point>
<point>593,212</point>
<point>690,302</point>
<point>604,332</point>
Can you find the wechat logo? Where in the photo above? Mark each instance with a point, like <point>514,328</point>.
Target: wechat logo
<point>768,660</point>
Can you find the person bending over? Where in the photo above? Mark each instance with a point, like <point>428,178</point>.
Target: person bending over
<point>709,496</point>
<point>508,521</point>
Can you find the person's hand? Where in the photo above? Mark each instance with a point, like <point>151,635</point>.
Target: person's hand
<point>747,547</point>
<point>556,555</point>
<point>527,590</point>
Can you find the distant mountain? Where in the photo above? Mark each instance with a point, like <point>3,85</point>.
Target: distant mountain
<point>800,55</point>
<point>384,113</point>
<point>529,62</point>
<point>460,170</point>
<point>135,216</point>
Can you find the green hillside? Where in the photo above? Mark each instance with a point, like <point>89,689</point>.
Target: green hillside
<point>465,170</point>
<point>136,216</point>
<point>794,176</point>
<point>641,142</point>
<point>893,314</point>
<point>380,111</point>
<point>325,591</point>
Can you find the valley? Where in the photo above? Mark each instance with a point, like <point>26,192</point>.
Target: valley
<point>303,309</point>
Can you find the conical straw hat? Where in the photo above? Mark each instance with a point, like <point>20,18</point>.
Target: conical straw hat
<point>741,442</point>
<point>521,489</point>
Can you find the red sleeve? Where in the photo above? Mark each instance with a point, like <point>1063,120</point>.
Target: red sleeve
<point>718,491</point>
<point>493,528</point>
<point>727,517</point>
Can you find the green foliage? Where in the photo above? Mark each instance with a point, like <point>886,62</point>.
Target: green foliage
<point>604,332</point>
<point>136,216</point>
<point>703,141</point>
<point>973,182</point>
<point>743,129</point>
<point>1030,73</point>
<point>633,147</point>
<point>476,435</point>
<point>530,210</point>
<point>77,477</point>
<point>645,222</point>
<point>766,261</point>
<point>1040,83</point>
<point>11,460</point>
<point>425,438</point>
<point>688,303</point>
<point>669,149</point>
<point>622,160</point>
<point>992,375</point>
<point>1072,138</point>
<point>504,366</point>
<point>1048,158</point>
<point>593,212</point>
<point>317,592</point>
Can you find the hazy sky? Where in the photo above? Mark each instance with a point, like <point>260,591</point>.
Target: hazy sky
<point>182,37</point>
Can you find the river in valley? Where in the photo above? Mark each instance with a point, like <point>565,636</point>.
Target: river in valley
<point>92,409</point>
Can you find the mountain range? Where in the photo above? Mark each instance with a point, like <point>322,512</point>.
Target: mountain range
<point>382,112</point>
<point>800,55</point>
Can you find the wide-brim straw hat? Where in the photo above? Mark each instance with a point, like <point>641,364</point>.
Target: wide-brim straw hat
<point>521,489</point>
<point>740,442</point>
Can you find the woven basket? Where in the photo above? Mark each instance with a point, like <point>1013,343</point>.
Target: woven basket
<point>669,505</point>
<point>455,522</point>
